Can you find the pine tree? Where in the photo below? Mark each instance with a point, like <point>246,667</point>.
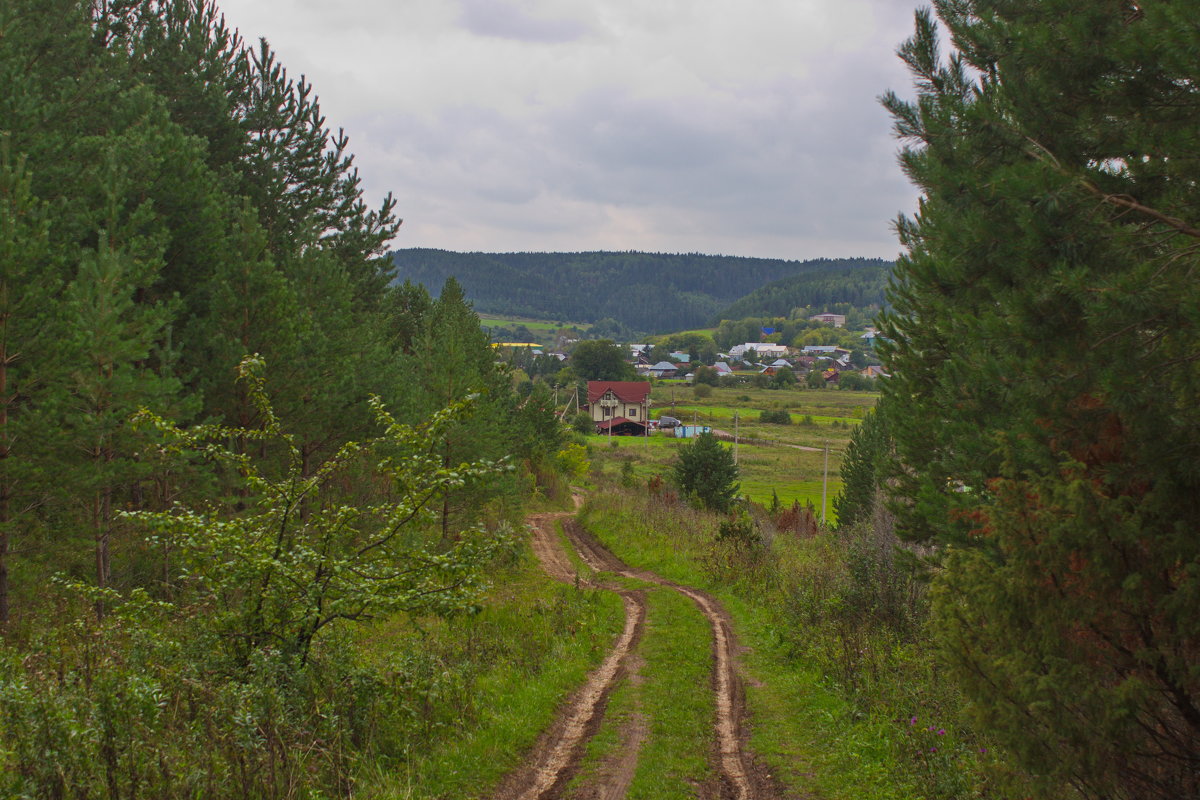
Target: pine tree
<point>706,471</point>
<point>863,468</point>
<point>28,333</point>
<point>453,362</point>
<point>1046,379</point>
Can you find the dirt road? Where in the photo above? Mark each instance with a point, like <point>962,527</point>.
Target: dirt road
<point>556,757</point>
<point>726,436</point>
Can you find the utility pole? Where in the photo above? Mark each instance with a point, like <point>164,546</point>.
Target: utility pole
<point>825,482</point>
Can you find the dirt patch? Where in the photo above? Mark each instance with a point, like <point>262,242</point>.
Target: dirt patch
<point>547,548</point>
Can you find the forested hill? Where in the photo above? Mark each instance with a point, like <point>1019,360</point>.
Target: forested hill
<point>859,282</point>
<point>651,292</point>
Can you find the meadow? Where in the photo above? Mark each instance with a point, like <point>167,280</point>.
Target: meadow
<point>842,685</point>
<point>768,454</point>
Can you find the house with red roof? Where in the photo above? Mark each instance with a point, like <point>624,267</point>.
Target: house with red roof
<point>619,407</point>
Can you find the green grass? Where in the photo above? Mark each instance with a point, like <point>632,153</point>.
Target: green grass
<point>533,643</point>
<point>808,732</point>
<point>497,320</point>
<point>677,699</point>
<point>791,474</point>
<point>674,697</point>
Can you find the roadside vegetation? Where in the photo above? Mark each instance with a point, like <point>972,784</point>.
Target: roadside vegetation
<point>844,694</point>
<point>477,690</point>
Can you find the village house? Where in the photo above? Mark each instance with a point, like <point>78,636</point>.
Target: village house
<point>761,350</point>
<point>619,407</point>
<point>774,366</point>
<point>871,338</point>
<point>836,320</point>
<point>663,369</point>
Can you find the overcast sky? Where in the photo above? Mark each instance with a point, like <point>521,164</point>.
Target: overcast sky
<point>745,128</point>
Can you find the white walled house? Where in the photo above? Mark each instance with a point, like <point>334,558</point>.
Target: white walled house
<point>623,406</point>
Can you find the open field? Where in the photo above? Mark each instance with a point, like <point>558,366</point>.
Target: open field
<point>821,418</point>
<point>818,415</point>
<point>790,473</point>
<point>496,320</point>
<point>701,331</point>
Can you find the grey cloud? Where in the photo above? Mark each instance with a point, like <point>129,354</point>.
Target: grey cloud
<point>504,20</point>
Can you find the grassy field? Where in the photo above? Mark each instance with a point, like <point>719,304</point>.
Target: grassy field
<point>480,688</point>
<point>539,331</point>
<point>533,324</point>
<point>822,418</point>
<point>702,331</point>
<point>843,707</point>
<point>789,473</point>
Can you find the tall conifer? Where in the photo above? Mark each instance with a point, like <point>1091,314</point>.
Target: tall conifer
<point>1045,386</point>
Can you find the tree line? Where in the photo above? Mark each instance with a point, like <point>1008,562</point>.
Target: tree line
<point>856,282</point>
<point>646,292</point>
<point>1037,440</point>
<point>223,429</point>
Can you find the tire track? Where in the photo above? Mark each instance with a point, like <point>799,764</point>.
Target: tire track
<point>557,754</point>
<point>740,781</point>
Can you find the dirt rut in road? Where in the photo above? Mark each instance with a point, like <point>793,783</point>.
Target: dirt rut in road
<point>557,754</point>
<point>741,779</point>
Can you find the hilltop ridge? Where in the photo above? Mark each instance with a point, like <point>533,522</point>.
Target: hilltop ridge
<point>649,292</point>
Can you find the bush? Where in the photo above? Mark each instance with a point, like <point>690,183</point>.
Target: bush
<point>583,423</point>
<point>784,378</point>
<point>854,382</point>
<point>739,530</point>
<point>702,390</point>
<point>706,375</point>
<point>573,461</point>
<point>780,417</point>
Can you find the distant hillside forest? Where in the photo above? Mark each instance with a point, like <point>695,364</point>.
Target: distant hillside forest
<point>647,292</point>
<point>857,282</point>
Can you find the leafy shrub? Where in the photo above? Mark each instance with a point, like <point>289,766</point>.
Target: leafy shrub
<point>779,417</point>
<point>739,530</point>
<point>702,390</point>
<point>573,460</point>
<point>582,423</point>
<point>706,375</point>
